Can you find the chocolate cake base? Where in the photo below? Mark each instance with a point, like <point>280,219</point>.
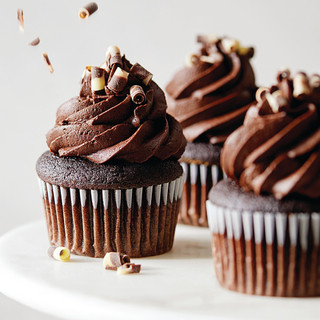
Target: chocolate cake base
<point>200,163</point>
<point>264,246</point>
<point>75,172</point>
<point>91,210</point>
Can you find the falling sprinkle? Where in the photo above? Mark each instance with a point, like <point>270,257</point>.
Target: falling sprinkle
<point>35,42</point>
<point>47,60</point>
<point>20,19</point>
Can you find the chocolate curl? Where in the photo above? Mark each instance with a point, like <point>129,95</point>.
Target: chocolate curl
<point>86,72</point>
<point>114,60</point>
<point>113,55</point>
<point>301,86</point>
<point>314,81</point>
<point>59,253</point>
<point>261,93</point>
<point>47,60</point>
<point>86,83</point>
<point>105,67</point>
<point>141,73</point>
<point>246,51</point>
<point>88,10</point>
<point>208,39</point>
<point>208,59</point>
<point>212,58</point>
<point>283,74</point>
<point>114,260</point>
<point>230,45</point>
<point>191,60</point>
<point>128,268</point>
<point>118,80</point>
<point>35,42</point>
<point>97,79</point>
<point>137,94</point>
<point>276,100</point>
<point>20,19</point>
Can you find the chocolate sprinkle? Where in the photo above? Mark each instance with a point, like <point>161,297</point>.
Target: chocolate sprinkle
<point>88,10</point>
<point>141,73</point>
<point>137,94</point>
<point>35,42</point>
<point>20,19</point>
<point>128,268</point>
<point>118,81</point>
<point>113,260</point>
<point>47,60</point>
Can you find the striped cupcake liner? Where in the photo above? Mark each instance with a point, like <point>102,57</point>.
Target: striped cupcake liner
<point>198,180</point>
<point>272,254</point>
<point>139,222</point>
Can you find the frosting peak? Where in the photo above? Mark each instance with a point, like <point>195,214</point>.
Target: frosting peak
<point>120,113</point>
<point>210,95</point>
<point>277,150</point>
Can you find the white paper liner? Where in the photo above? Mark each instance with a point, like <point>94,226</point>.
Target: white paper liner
<point>139,222</point>
<point>274,254</point>
<point>198,180</point>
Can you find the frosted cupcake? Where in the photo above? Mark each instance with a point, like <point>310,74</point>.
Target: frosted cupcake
<point>112,181</point>
<point>209,97</point>
<point>265,220</point>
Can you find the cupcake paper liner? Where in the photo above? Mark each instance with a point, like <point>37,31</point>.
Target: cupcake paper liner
<point>139,222</point>
<point>273,254</point>
<point>198,180</point>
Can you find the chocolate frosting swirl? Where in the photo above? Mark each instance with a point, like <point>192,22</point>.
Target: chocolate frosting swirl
<point>104,122</point>
<point>210,95</point>
<point>277,149</point>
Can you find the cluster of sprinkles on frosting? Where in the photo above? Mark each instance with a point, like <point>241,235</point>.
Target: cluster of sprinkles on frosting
<point>115,78</point>
<point>212,55</point>
<point>300,87</point>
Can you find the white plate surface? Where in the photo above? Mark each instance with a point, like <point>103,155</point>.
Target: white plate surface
<point>178,285</point>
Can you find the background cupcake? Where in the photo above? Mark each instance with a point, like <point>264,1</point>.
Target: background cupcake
<point>266,224</point>
<point>112,181</point>
<point>209,97</point>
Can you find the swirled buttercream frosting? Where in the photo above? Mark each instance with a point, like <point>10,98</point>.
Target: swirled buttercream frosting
<point>120,113</point>
<point>212,93</point>
<point>277,149</point>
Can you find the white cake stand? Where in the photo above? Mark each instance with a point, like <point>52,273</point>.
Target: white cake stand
<point>178,285</point>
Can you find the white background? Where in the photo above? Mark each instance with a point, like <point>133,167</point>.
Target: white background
<point>157,34</point>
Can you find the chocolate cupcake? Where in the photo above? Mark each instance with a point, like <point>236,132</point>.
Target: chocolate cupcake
<point>112,181</point>
<point>209,97</point>
<point>265,222</point>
